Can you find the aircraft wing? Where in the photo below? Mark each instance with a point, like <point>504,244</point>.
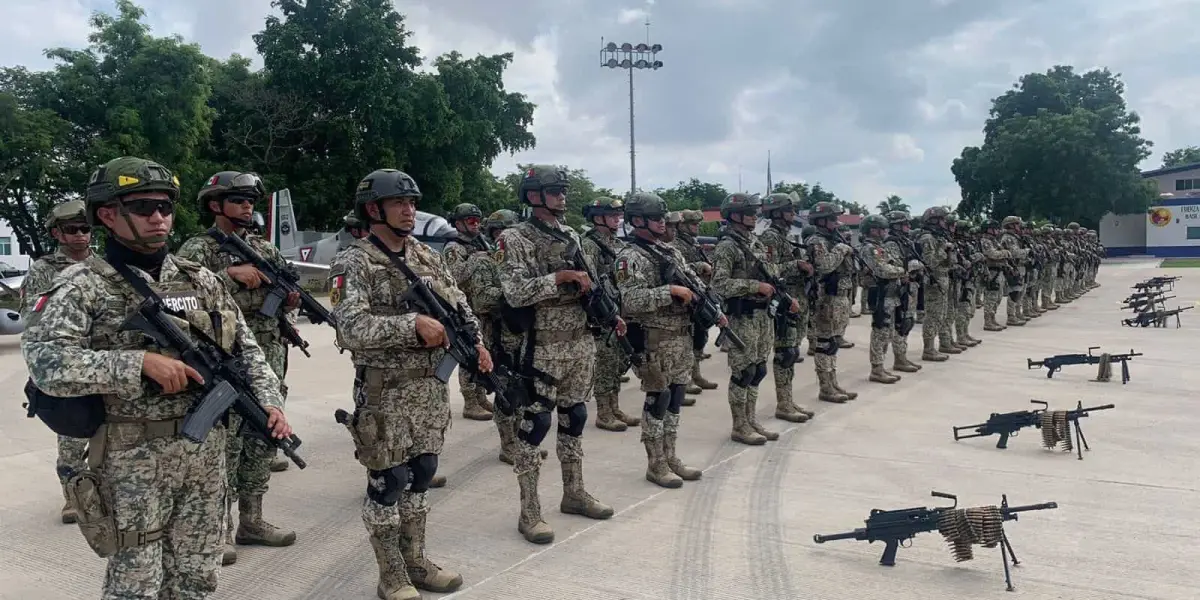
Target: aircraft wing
<point>10,285</point>
<point>307,266</point>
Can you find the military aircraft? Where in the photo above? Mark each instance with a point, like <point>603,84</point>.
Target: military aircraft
<point>10,284</point>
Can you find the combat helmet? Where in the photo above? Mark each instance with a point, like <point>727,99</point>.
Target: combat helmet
<point>740,203</point>
<point>127,175</point>
<point>464,211</point>
<point>602,206</point>
<point>501,219</point>
<point>352,221</point>
<point>674,218</point>
<point>873,222</point>
<point>692,216</point>
<point>777,202</point>
<point>382,184</point>
<point>1073,226</point>
<point>539,178</point>
<point>73,210</point>
<point>825,210</point>
<point>646,205</point>
<point>230,184</point>
<point>1010,220</point>
<point>934,212</point>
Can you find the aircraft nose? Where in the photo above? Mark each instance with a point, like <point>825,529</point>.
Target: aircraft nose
<point>11,322</point>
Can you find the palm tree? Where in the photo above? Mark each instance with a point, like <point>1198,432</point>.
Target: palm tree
<point>893,202</point>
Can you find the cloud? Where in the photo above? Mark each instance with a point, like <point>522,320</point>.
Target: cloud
<point>868,98</point>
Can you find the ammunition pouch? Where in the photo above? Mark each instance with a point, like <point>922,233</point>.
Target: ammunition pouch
<point>744,306</point>
<point>371,446</point>
<point>636,334</point>
<point>74,417</point>
<point>876,295</point>
<point>829,283</point>
<point>93,516</point>
<point>517,320</point>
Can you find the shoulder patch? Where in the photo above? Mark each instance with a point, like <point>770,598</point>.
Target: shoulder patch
<point>41,303</point>
<point>879,253</point>
<point>770,253</point>
<point>622,273</point>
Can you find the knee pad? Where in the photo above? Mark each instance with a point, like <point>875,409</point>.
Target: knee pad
<point>1014,296</point>
<point>656,403</point>
<point>677,392</point>
<point>384,487</point>
<point>742,378</point>
<point>786,357</point>
<point>423,467</point>
<point>905,326</point>
<point>539,427</point>
<point>760,373</point>
<point>64,472</point>
<point>576,418</point>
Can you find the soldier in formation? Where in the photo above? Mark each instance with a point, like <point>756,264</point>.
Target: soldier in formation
<point>885,280</point>
<point>685,243</point>
<point>466,219</point>
<point>660,324</point>
<point>69,227</point>
<point>545,290</point>
<point>1010,242</point>
<point>971,265</point>
<point>161,530</point>
<point>936,253</point>
<point>402,409</point>
<point>601,245</point>
<point>835,264</point>
<point>229,196</point>
<point>899,243</point>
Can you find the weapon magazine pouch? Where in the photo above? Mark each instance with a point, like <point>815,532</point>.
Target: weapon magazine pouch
<point>86,493</point>
<point>74,417</point>
<point>829,283</point>
<point>365,425</point>
<point>636,334</point>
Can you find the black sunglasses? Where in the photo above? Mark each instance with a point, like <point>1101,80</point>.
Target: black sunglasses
<point>146,207</point>
<point>75,229</point>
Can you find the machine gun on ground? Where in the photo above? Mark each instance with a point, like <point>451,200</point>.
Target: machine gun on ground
<point>1151,301</point>
<point>706,308</point>
<point>1157,283</point>
<point>1105,360</point>
<point>1157,318</point>
<point>1055,426</point>
<point>961,527</point>
<point>283,283</point>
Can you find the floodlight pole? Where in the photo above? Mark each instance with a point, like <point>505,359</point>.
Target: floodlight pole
<point>630,57</point>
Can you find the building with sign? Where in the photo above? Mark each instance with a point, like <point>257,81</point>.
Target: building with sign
<point>1170,228</point>
<point>10,250</point>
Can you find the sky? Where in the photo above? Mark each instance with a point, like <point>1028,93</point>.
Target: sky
<point>866,97</point>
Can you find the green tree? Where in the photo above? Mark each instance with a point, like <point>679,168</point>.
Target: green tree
<point>1181,156</point>
<point>1059,146</point>
<point>31,171</point>
<point>693,194</point>
<point>892,202</point>
<point>811,195</point>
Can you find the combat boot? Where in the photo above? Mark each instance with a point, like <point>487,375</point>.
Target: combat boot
<point>930,353</point>
<point>423,573</point>
<point>742,432</point>
<point>684,472</point>
<point>693,389</point>
<point>576,500</point>
<point>752,417</point>
<point>902,364</point>
<point>530,523</point>
<point>473,410</point>
<point>438,481</point>
<point>945,346</point>
<point>394,583</point>
<point>787,411</point>
<point>604,415</point>
<point>68,512</point>
<point>804,410</point>
<point>628,420</point>
<point>486,404</point>
<point>508,441</point>
<point>280,463</point>
<point>229,555</point>
<point>1047,303</point>
<point>837,386</point>
<point>880,376</point>
<point>842,343</point>
<point>829,393</point>
<point>253,530</point>
<point>657,470</point>
<point>990,323</point>
<point>699,379</point>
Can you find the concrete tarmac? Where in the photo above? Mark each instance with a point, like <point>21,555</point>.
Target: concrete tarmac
<point>1126,526</point>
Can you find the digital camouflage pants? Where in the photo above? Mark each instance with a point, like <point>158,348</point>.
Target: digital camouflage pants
<point>937,313</point>
<point>248,460</point>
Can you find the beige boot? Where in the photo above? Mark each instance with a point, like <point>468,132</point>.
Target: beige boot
<point>530,523</point>
<point>880,376</point>
<point>628,420</point>
<point>699,379</point>
<point>605,419</point>
<point>829,393</point>
<point>576,500</point>
<point>394,583</point>
<point>473,405</point>
<point>253,530</point>
<point>785,409</point>
<point>438,481</point>
<point>742,432</point>
<point>930,352</point>
<point>752,416</point>
<point>902,364</point>
<point>837,386</point>
<point>68,512</point>
<point>508,440</point>
<point>945,346</point>
<point>657,470</point>
<point>684,472</point>
<point>423,573</point>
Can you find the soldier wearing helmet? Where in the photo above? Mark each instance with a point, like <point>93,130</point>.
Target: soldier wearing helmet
<point>1031,305</point>
<point>1050,268</point>
<point>899,242</point>
<point>791,258</point>
<point>999,270</point>
<point>835,264</point>
<point>659,315</point>
<point>402,406</point>
<point>960,273</point>
<point>738,261</point>
<point>1009,241</point>
<point>69,228</point>
<point>546,291</point>
<point>685,243</point>
<point>937,252</point>
<point>601,246</point>
<point>230,196</point>
<point>466,219</point>
<point>966,297</point>
<point>76,355</point>
<point>884,277</point>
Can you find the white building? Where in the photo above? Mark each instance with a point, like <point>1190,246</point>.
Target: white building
<point>1171,227</point>
<point>10,252</point>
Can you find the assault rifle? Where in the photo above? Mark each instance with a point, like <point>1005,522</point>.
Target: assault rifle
<point>1057,362</point>
<point>601,302</point>
<point>461,333</point>
<point>1157,283</point>
<point>1157,318</point>
<point>706,308</point>
<point>283,282</point>
<point>225,384</point>
<point>1146,303</point>
<point>1055,426</point>
<point>961,527</point>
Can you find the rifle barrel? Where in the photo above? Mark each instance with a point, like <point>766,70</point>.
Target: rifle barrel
<point>1104,407</point>
<point>1029,507</point>
<point>849,535</point>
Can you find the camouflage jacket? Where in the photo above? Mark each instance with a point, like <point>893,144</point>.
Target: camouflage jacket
<point>206,251</point>
<point>376,323</point>
<point>40,277</point>
<point>1009,242</point>
<point>645,292</point>
<point>602,251</point>
<point>832,261</point>
<point>882,266</point>
<point>785,254</point>
<point>995,255</point>
<point>529,258</point>
<point>456,253</point>
<point>690,250</point>
<point>73,346</point>
<point>936,256</point>
<point>734,274</point>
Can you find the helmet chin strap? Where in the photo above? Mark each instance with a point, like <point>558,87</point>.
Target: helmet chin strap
<point>138,242</point>
<point>557,212</point>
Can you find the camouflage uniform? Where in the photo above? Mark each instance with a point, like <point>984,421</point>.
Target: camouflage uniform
<point>475,403</point>
<point>1016,290</point>
<point>663,326</point>
<point>601,248</point>
<point>560,354</point>
<point>834,262</point>
<point>899,243</point>
<point>996,279</point>
<point>736,280</point>
<point>1050,270</point>
<point>247,459</point>
<point>883,274</point>
<point>937,259</point>
<point>39,279</point>
<point>972,259</point>
<point>789,332</point>
<point>402,411</point>
<point>166,541</point>
<point>687,246</point>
